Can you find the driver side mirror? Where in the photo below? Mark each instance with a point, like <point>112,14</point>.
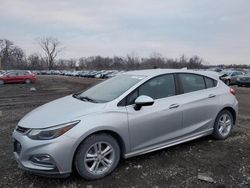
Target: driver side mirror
<point>143,100</point>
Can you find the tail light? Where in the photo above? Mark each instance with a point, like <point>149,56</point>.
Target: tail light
<point>232,91</point>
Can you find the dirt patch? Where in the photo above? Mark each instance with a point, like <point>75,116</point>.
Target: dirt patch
<point>226,162</point>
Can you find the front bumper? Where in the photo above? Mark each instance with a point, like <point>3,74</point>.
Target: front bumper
<point>243,82</point>
<point>59,150</point>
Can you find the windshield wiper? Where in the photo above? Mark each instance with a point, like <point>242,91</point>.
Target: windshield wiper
<point>85,98</point>
<point>75,95</point>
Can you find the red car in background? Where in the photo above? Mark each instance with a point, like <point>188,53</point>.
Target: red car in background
<point>17,77</point>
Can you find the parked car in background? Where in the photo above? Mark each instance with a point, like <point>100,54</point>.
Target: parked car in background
<point>43,72</point>
<point>243,80</point>
<point>230,77</point>
<point>130,114</point>
<point>18,76</point>
<point>216,69</point>
<point>105,74</point>
<point>2,72</point>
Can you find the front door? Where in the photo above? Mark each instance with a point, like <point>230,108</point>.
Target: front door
<point>11,77</point>
<point>156,124</point>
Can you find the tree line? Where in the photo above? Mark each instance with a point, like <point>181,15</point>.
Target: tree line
<point>13,57</point>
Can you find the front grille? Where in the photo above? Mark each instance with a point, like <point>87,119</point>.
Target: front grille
<point>245,79</point>
<point>17,147</point>
<point>22,129</point>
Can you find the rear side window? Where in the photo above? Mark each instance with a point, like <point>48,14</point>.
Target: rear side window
<point>210,82</point>
<point>21,73</point>
<point>240,73</point>
<point>159,87</point>
<point>26,73</point>
<point>192,82</point>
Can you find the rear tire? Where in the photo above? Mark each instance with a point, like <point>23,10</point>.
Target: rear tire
<point>223,125</point>
<point>97,156</point>
<point>27,81</point>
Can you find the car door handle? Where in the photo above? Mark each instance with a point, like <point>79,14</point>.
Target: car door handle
<point>174,106</point>
<point>211,95</point>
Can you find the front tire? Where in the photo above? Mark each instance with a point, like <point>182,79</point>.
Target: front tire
<point>97,156</point>
<point>227,82</point>
<point>223,125</point>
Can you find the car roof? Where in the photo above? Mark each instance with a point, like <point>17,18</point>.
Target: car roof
<point>156,72</point>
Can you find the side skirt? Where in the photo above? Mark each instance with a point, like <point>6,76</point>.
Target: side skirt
<point>168,144</point>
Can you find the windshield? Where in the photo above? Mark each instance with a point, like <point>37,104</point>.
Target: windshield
<point>226,73</point>
<point>109,89</point>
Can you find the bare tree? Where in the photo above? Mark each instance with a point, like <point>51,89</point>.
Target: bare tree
<point>6,48</point>
<point>51,46</point>
<point>72,63</point>
<point>34,61</point>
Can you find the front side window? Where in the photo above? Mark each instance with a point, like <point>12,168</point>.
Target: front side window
<point>191,82</point>
<point>132,96</point>
<point>234,74</point>
<point>159,87</point>
<point>12,74</point>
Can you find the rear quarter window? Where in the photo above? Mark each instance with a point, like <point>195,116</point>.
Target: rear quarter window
<point>210,82</point>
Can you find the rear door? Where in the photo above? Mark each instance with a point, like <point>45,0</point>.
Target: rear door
<point>199,102</point>
<point>153,125</point>
<point>21,76</point>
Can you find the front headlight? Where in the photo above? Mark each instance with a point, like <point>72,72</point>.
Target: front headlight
<point>52,132</point>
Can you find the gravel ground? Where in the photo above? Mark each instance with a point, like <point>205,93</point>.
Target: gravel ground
<point>226,162</point>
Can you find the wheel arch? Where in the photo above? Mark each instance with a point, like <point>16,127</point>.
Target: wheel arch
<point>232,111</point>
<point>114,134</point>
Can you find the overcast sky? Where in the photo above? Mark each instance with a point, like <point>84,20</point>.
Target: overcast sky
<point>216,30</point>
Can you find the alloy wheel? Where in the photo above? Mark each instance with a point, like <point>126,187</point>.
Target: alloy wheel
<point>224,124</point>
<point>99,158</point>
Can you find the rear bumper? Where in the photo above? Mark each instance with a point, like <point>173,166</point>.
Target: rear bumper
<point>236,111</point>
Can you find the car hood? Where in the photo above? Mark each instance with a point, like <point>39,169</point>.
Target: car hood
<point>59,111</point>
<point>245,76</point>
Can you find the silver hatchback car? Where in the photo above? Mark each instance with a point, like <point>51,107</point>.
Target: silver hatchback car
<point>131,114</point>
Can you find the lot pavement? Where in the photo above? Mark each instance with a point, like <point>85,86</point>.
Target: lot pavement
<point>226,162</point>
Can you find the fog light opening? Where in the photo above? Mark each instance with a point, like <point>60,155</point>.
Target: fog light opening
<point>43,160</point>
